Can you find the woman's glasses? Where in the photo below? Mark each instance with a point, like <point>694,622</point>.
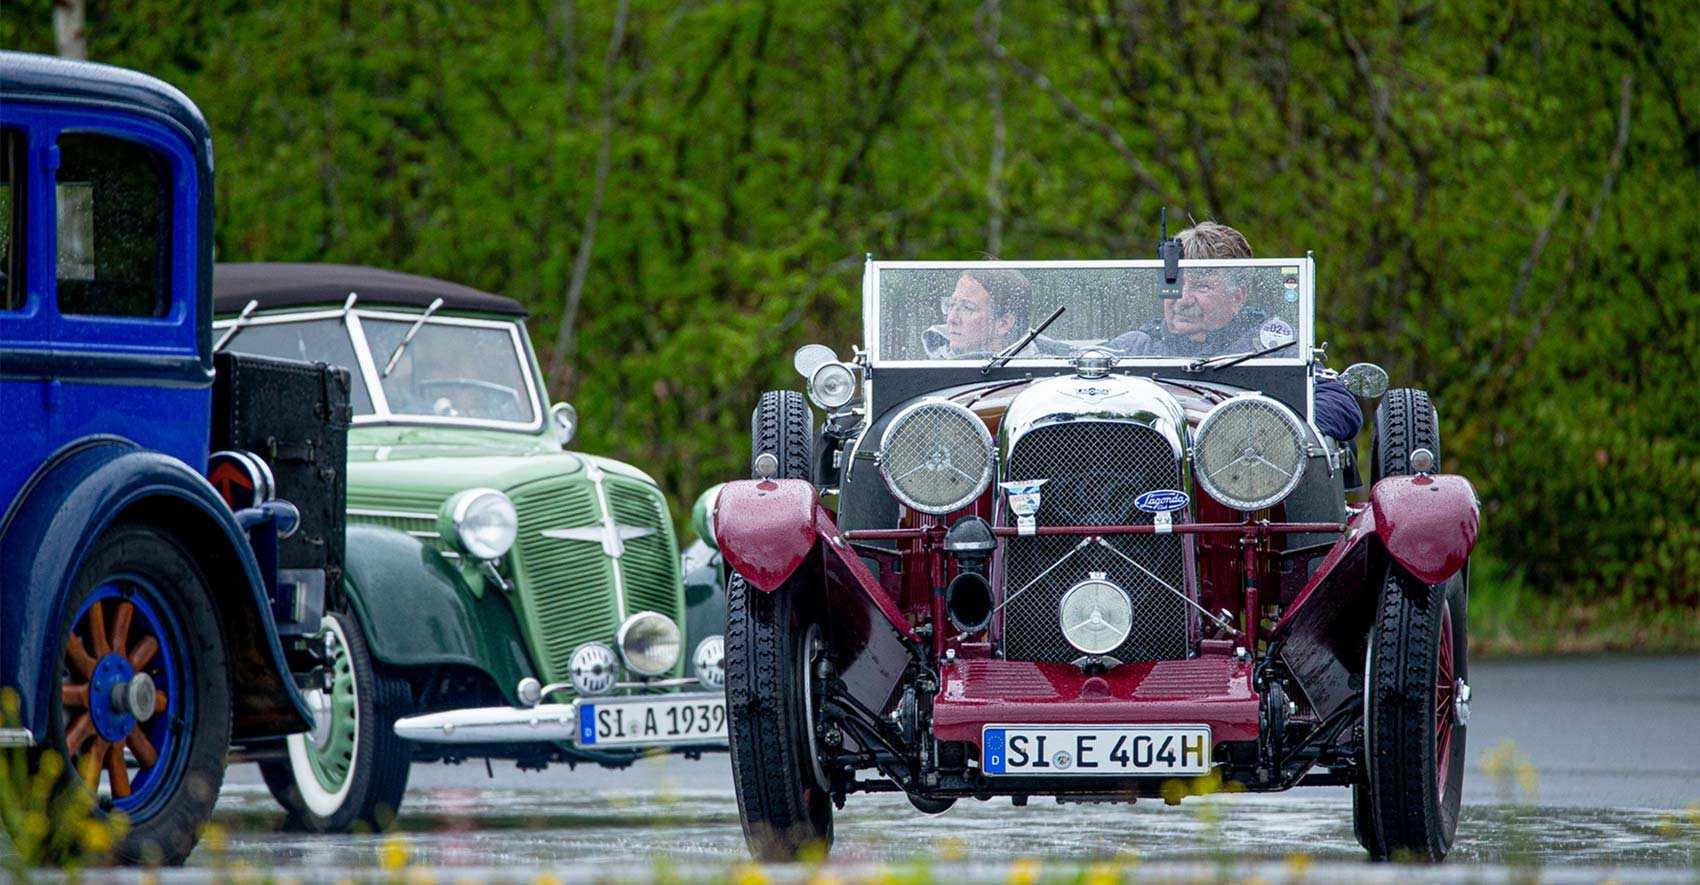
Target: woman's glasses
<point>964,308</point>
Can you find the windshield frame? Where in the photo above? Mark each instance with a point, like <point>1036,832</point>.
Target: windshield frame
<point>368,365</point>
<point>1306,332</point>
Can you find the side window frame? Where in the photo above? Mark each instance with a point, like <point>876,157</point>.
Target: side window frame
<point>17,260</point>
<point>39,326</point>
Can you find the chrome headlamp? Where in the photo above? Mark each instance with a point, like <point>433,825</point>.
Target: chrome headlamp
<point>482,522</point>
<point>1096,616</point>
<point>708,662</point>
<point>1250,452</point>
<point>832,386</point>
<point>649,643</point>
<point>936,456</point>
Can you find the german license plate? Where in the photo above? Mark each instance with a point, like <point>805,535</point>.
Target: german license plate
<point>1109,751</point>
<point>624,722</point>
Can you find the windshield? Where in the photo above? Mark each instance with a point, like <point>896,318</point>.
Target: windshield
<point>936,311</point>
<point>453,371</point>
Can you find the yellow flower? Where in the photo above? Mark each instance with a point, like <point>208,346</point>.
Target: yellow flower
<point>748,874</point>
<point>545,879</point>
<point>1298,865</point>
<point>1527,777</point>
<point>214,838</point>
<point>1024,871</point>
<point>1101,873</point>
<point>952,848</point>
<point>822,877</point>
<point>96,838</point>
<point>392,853</point>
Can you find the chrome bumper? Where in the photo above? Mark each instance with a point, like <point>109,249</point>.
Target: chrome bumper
<point>544,723</point>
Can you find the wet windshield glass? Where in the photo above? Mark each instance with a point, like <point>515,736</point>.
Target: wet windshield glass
<point>312,341</point>
<point>451,371</point>
<point>969,312</point>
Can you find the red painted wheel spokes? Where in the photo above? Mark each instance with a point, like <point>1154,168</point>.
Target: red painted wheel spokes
<point>1445,701</point>
<point>92,638</point>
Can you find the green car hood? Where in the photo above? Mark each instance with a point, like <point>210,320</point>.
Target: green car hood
<point>442,461</point>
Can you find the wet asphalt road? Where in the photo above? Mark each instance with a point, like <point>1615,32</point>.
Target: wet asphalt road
<point>1597,764</point>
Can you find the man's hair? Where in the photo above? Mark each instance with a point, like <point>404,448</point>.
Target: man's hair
<point>1207,239</point>
<point>1010,290</point>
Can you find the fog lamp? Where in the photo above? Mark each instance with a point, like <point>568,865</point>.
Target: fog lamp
<point>649,643</point>
<point>592,669</point>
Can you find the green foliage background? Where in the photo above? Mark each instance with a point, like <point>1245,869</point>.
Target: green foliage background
<point>1502,198</point>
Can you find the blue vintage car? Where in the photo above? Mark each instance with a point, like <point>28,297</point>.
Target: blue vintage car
<point>150,618</point>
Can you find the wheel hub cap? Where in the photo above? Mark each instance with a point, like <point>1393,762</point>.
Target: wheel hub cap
<point>1461,702</point>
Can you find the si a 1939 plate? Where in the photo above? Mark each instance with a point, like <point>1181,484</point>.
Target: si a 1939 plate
<point>652,721</point>
<point>1096,750</point>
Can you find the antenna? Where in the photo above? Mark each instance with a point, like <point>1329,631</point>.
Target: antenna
<point>1169,251</point>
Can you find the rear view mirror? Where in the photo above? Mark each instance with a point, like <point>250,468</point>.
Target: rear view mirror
<point>1365,380</point>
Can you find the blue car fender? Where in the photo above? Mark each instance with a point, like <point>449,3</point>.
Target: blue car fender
<point>57,517</point>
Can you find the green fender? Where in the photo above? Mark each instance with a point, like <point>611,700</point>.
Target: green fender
<point>417,610</point>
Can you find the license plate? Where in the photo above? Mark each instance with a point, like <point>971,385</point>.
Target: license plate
<point>1108,751</point>
<point>684,719</point>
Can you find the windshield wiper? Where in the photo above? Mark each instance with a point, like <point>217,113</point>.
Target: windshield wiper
<point>1009,352</point>
<point>236,325</point>
<point>396,354</point>
<point>1225,360</point>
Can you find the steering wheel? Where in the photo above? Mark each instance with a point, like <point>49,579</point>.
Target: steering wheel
<point>515,401</point>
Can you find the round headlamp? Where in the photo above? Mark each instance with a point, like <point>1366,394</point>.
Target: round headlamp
<point>1096,616</point>
<point>708,662</point>
<point>482,523</point>
<point>649,643</point>
<point>1250,452</point>
<point>592,669</point>
<point>832,386</point>
<point>936,456</point>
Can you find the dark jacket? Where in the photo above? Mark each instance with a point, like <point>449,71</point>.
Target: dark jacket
<point>1336,411</point>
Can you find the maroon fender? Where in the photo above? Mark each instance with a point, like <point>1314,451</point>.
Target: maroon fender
<point>766,528</point>
<point>1428,524</point>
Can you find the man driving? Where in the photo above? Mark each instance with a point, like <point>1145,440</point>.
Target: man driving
<point>1211,317</point>
<point>985,313</point>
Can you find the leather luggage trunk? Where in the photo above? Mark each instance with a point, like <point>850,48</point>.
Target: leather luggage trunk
<point>295,415</point>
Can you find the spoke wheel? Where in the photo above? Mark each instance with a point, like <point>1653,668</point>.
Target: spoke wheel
<point>141,713</point>
<point>121,691</point>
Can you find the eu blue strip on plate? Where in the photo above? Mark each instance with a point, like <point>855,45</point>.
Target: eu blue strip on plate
<point>993,751</point>
<point>587,724</point>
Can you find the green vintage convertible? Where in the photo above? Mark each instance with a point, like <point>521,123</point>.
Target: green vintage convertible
<point>508,598</point>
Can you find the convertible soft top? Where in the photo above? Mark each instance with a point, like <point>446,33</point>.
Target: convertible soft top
<point>276,285</point>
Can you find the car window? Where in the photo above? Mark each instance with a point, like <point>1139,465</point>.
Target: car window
<point>113,226</point>
<point>452,371</point>
<point>11,219</point>
<point>314,341</point>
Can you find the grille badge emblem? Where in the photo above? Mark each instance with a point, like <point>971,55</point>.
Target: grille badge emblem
<point>611,536</point>
<point>1024,502</point>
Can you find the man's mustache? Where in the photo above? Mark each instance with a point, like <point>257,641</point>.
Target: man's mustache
<point>1188,311</point>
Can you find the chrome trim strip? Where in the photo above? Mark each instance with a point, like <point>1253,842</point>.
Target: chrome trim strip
<point>611,545</point>
<point>16,737</point>
<point>391,514</point>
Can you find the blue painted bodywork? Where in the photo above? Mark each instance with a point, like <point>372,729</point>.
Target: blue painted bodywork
<point>108,417</point>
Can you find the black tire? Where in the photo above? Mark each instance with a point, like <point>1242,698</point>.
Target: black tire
<point>1412,787</point>
<point>1404,422</point>
<point>376,769</point>
<point>782,804</point>
<point>783,426</point>
<point>165,829</point>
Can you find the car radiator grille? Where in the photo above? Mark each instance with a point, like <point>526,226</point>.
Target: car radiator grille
<point>1095,470</point>
<point>566,588</point>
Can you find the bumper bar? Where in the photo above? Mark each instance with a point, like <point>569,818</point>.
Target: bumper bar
<point>544,723</point>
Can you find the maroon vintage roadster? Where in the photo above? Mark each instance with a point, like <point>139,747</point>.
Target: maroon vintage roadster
<point>1071,563</point>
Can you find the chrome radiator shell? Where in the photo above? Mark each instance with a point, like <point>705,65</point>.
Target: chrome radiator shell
<point>1099,443</point>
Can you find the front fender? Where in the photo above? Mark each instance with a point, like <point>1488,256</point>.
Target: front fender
<point>1428,524</point>
<point>766,528</point>
<point>66,507</point>
<point>416,609</point>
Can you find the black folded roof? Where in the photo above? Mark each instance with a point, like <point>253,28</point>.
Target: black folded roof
<point>293,285</point>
